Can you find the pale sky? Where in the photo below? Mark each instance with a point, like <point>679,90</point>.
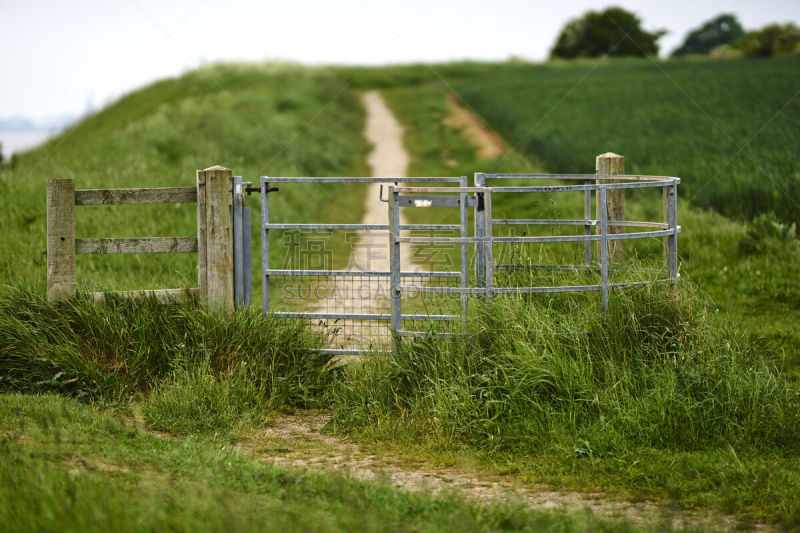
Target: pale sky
<point>55,56</point>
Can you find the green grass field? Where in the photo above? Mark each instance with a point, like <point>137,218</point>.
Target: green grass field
<point>727,129</point>
<point>688,397</point>
<point>256,120</point>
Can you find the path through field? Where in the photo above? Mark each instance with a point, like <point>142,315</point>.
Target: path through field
<point>370,249</point>
<point>387,159</point>
<point>298,441</point>
<point>488,143</point>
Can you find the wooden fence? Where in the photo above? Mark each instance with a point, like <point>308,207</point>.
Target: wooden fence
<point>213,243</point>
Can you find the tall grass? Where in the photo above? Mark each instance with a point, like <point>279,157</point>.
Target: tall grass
<point>196,370</point>
<point>531,375</point>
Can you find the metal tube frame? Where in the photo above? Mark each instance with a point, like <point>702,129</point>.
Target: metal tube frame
<point>478,197</point>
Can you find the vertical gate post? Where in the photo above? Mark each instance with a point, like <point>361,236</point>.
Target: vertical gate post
<point>480,231</point>
<point>587,228</point>
<point>488,250</point>
<point>264,245</point>
<point>672,240</point>
<point>610,164</point>
<point>464,233</point>
<point>202,263</point>
<point>394,261</point>
<point>60,238</point>
<point>247,274</point>
<point>238,242</point>
<point>602,202</point>
<point>219,237</point>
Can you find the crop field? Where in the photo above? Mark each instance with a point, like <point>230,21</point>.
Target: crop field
<point>133,415</point>
<point>727,128</point>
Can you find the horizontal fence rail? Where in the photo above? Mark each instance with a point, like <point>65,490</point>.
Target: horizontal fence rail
<point>146,245</point>
<point>211,193</point>
<point>136,196</point>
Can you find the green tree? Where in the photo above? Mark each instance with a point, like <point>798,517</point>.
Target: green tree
<point>722,29</point>
<point>770,40</point>
<point>613,32</point>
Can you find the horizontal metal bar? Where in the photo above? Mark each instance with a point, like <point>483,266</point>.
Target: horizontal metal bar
<point>354,273</point>
<point>642,234</point>
<point>161,295</point>
<point>439,334</point>
<point>450,240</point>
<point>575,268</point>
<point>442,290</point>
<point>154,195</point>
<point>589,187</point>
<point>360,316</point>
<point>376,227</point>
<point>429,190</point>
<point>576,238</point>
<point>575,222</point>
<point>333,351</point>
<point>533,239</point>
<point>502,290</point>
<point>524,290</point>
<point>284,179</point>
<point>583,177</point>
<point>147,245</point>
<point>548,238</point>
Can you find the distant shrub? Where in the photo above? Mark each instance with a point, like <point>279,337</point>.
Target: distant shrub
<point>771,40</point>
<point>612,32</point>
<point>721,30</point>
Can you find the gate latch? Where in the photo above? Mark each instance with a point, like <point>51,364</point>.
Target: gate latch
<point>251,190</point>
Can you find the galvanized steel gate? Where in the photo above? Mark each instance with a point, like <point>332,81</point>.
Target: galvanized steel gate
<point>360,309</point>
<point>355,308</point>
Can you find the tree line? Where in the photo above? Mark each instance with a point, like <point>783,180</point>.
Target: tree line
<point>618,32</point>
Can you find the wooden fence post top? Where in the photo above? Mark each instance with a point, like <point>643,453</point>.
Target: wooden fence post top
<point>610,163</point>
<point>217,167</point>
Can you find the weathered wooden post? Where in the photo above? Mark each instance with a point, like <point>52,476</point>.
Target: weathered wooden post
<point>215,236</point>
<point>60,238</point>
<point>610,164</point>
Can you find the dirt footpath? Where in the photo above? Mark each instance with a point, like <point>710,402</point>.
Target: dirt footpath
<point>370,248</point>
<point>298,441</point>
<point>487,142</point>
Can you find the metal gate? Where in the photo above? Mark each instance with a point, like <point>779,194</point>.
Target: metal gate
<point>355,308</point>
<point>426,279</point>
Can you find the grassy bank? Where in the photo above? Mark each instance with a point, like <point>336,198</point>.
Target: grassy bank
<point>67,467</point>
<point>553,389</point>
<point>190,369</point>
<point>258,120</point>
